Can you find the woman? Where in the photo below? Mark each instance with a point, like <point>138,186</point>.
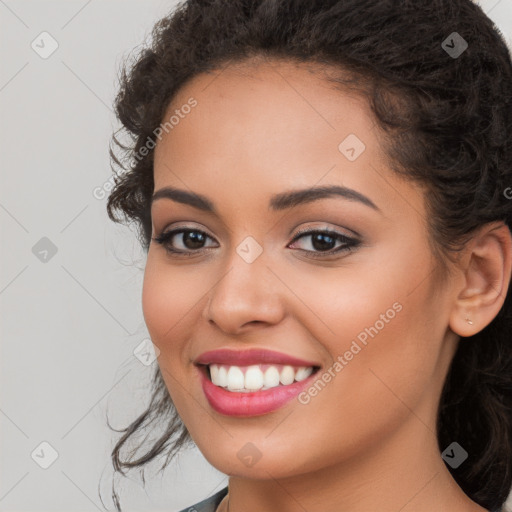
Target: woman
<point>323,189</point>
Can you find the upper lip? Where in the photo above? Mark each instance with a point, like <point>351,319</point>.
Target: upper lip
<point>250,357</point>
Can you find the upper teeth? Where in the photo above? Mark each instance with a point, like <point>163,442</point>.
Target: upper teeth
<point>255,377</point>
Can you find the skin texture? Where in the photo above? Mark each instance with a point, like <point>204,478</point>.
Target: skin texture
<point>367,440</point>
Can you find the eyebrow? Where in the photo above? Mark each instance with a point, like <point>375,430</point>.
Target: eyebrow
<point>277,202</point>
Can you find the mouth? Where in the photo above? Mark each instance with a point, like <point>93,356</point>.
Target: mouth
<point>252,382</point>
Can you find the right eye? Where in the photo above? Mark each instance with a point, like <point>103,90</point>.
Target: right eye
<point>191,240</point>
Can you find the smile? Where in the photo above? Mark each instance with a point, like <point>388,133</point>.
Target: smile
<point>252,382</point>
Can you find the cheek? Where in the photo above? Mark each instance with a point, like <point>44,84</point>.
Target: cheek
<point>386,326</point>
<point>360,401</point>
<point>168,300</point>
<point>169,296</point>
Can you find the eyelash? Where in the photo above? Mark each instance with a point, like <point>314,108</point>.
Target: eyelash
<point>350,243</point>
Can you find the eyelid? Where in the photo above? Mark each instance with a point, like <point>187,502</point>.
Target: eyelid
<point>325,228</point>
<point>306,230</point>
<point>186,227</point>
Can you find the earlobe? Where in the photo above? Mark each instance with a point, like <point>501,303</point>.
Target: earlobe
<point>487,273</point>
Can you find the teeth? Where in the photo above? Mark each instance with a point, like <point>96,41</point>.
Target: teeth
<point>222,377</point>
<point>287,375</point>
<point>214,372</point>
<point>271,377</point>
<point>254,378</point>
<point>235,378</point>
<point>303,373</point>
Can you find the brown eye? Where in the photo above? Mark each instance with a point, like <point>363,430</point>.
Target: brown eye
<point>324,241</point>
<point>190,240</point>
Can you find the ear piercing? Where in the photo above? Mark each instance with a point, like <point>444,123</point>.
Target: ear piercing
<point>470,322</point>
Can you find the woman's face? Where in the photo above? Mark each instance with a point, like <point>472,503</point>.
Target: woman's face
<point>363,305</point>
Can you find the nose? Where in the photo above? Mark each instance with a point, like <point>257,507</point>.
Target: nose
<point>246,294</point>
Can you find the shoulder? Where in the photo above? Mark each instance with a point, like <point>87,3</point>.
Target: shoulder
<point>209,504</point>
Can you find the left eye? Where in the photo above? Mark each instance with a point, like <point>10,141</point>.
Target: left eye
<point>192,241</point>
<point>322,240</point>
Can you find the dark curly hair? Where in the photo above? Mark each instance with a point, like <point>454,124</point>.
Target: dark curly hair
<point>447,123</point>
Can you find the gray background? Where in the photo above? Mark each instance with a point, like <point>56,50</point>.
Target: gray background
<point>70,321</point>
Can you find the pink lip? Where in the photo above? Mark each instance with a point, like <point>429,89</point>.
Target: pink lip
<point>250,404</point>
<point>250,356</point>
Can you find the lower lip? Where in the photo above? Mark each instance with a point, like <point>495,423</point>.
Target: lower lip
<point>254,403</point>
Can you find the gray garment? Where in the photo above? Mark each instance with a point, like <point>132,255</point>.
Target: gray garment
<point>209,504</point>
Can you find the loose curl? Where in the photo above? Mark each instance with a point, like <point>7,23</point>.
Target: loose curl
<point>446,123</point>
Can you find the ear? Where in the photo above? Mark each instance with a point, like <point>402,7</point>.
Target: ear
<point>486,265</point>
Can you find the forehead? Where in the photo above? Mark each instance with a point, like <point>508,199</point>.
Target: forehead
<point>275,109</point>
<point>303,87</point>
<point>262,128</point>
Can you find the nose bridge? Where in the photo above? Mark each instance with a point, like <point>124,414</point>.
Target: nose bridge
<point>246,291</point>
